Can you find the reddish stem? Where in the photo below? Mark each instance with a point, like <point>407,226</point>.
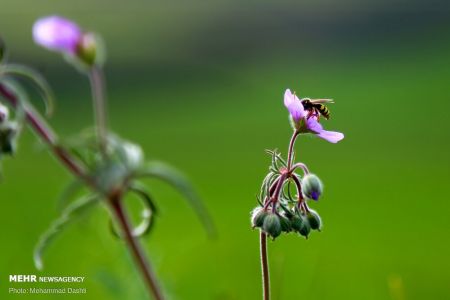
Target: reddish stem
<point>291,149</point>
<point>264,265</point>
<point>135,248</point>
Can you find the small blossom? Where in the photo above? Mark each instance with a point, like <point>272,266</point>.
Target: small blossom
<point>307,123</point>
<point>57,33</point>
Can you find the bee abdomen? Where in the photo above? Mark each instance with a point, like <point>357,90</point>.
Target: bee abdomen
<point>324,111</point>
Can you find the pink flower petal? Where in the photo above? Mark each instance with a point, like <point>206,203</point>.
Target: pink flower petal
<point>331,136</point>
<point>313,125</point>
<point>294,105</point>
<point>56,33</point>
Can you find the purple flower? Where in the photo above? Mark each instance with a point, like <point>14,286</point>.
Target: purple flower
<point>57,33</point>
<point>306,122</point>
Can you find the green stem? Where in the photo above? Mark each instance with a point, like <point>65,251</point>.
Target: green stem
<point>99,100</point>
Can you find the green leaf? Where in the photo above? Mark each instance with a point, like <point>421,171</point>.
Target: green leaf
<point>22,96</point>
<point>69,192</point>
<point>69,214</point>
<point>35,78</point>
<point>277,156</point>
<point>173,177</point>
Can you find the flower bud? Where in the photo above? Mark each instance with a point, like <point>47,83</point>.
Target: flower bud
<point>314,220</point>
<point>312,187</point>
<point>258,216</point>
<point>87,49</point>
<point>272,225</point>
<point>285,224</point>
<point>304,230</point>
<point>8,133</point>
<point>300,224</point>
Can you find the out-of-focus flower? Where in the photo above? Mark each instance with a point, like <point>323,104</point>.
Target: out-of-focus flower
<point>57,33</point>
<point>307,123</point>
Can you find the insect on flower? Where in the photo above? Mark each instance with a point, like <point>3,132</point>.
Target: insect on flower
<point>317,107</point>
<point>305,119</point>
<point>281,211</point>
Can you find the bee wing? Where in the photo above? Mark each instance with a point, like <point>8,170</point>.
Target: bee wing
<point>321,101</point>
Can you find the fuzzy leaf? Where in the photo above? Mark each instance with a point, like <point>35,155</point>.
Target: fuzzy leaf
<point>173,177</point>
<point>68,215</point>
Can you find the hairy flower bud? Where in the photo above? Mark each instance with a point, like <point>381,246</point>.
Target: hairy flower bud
<point>272,225</point>
<point>312,187</point>
<point>258,216</point>
<point>314,220</point>
<point>300,224</point>
<point>285,224</point>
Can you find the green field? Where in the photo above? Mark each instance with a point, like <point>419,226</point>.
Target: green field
<point>211,114</point>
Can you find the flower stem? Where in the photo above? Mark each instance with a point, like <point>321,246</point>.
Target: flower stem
<point>291,149</point>
<point>99,100</point>
<point>136,250</point>
<point>264,265</point>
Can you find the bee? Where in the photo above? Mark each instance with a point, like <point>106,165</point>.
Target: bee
<point>317,106</point>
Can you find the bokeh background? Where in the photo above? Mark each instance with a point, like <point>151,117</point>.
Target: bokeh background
<point>199,84</point>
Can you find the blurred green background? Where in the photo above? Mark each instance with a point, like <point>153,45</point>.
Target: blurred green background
<point>199,84</point>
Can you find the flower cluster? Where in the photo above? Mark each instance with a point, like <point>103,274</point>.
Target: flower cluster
<point>284,193</point>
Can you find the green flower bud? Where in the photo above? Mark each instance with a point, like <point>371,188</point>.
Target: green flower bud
<point>8,133</point>
<point>314,220</point>
<point>312,187</point>
<point>90,50</point>
<point>304,231</point>
<point>285,224</point>
<point>272,225</point>
<point>300,224</point>
<point>258,216</point>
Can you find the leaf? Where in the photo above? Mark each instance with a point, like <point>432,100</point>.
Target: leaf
<point>22,96</point>
<point>173,177</point>
<point>36,79</point>
<point>69,191</point>
<point>69,214</point>
<point>277,155</point>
